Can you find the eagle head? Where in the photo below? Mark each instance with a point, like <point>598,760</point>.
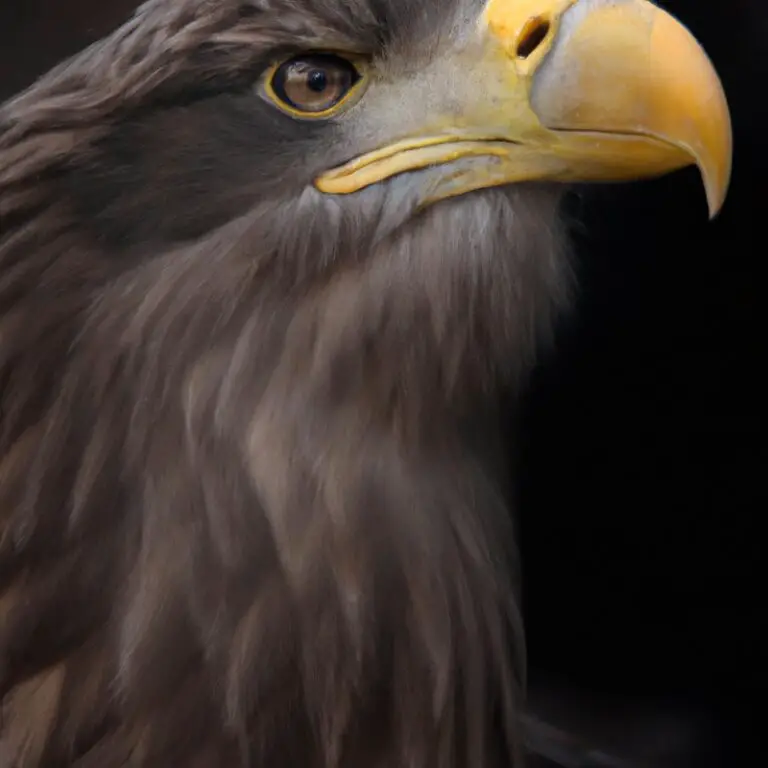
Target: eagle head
<point>265,267</point>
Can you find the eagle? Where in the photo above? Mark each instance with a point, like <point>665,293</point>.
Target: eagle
<point>269,271</point>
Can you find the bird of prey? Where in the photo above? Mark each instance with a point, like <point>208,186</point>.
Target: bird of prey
<point>266,269</point>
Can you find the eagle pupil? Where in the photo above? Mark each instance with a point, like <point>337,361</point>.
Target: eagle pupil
<point>317,81</point>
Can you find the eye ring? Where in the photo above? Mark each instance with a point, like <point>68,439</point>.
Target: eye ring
<point>315,86</point>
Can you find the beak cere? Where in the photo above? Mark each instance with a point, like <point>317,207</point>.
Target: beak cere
<point>573,90</point>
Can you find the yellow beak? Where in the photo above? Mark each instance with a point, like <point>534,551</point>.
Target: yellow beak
<point>572,90</point>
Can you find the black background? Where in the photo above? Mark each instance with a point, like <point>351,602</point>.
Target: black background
<point>643,454</point>
<point>644,459</point>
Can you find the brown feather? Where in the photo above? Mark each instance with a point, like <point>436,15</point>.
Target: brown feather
<point>248,510</point>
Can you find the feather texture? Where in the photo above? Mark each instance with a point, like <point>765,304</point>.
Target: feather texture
<point>248,511</point>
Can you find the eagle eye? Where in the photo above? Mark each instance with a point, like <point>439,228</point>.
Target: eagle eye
<point>313,85</point>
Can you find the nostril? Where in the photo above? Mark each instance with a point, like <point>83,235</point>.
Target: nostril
<point>533,35</point>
